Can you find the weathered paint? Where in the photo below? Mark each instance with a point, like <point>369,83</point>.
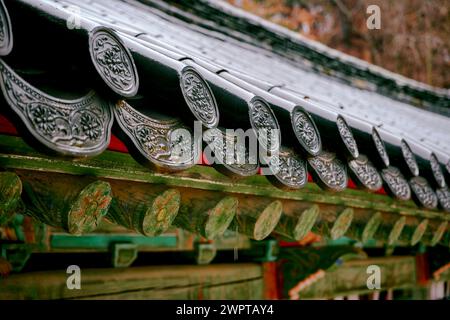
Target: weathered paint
<point>419,232</point>
<point>396,231</point>
<point>371,227</point>
<point>439,233</point>
<point>10,191</point>
<point>16,154</point>
<point>342,223</point>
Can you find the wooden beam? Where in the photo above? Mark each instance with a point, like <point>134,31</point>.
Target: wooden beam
<point>145,208</point>
<point>10,191</point>
<point>365,225</point>
<point>219,281</point>
<point>297,219</point>
<point>351,278</point>
<point>434,233</point>
<point>15,154</point>
<point>257,218</point>
<point>333,221</point>
<point>206,213</point>
<point>390,229</point>
<point>414,232</point>
<point>75,204</point>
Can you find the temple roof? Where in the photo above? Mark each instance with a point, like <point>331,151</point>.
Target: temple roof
<point>146,68</point>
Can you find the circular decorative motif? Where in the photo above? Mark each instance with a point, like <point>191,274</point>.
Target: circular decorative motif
<point>347,137</point>
<point>371,227</point>
<point>267,220</point>
<point>220,217</point>
<point>306,131</point>
<point>43,117</point>
<point>329,172</point>
<point>6,35</point>
<point>444,198</point>
<point>396,183</point>
<point>199,97</point>
<point>289,171</point>
<point>265,123</point>
<point>306,222</point>
<point>409,157</point>
<point>342,224</point>
<point>159,217</point>
<point>439,233</point>
<point>424,195</point>
<point>381,148</point>
<point>365,173</point>
<point>419,232</point>
<point>437,171</point>
<point>396,231</point>
<point>113,62</point>
<point>89,208</point>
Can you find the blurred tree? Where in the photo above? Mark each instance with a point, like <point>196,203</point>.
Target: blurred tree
<point>414,39</point>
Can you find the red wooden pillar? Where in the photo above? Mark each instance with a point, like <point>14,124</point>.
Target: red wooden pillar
<point>422,269</point>
<point>270,276</point>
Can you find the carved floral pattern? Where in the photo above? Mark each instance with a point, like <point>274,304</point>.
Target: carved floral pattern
<point>347,136</point>
<point>409,158</point>
<point>77,127</point>
<point>396,183</point>
<point>366,173</point>
<point>330,170</point>
<point>379,145</point>
<point>166,144</point>
<point>199,98</point>
<point>266,125</point>
<point>306,132</point>
<point>423,192</point>
<point>437,171</point>
<point>443,195</point>
<point>290,170</point>
<point>113,62</point>
<point>44,117</point>
<point>2,28</point>
<point>6,37</point>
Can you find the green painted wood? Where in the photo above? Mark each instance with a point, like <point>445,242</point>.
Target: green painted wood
<point>342,223</point>
<point>206,213</point>
<point>333,221</point>
<point>257,218</point>
<point>145,208</point>
<point>102,242</point>
<point>10,191</point>
<point>414,232</point>
<point>15,154</point>
<point>351,278</point>
<point>434,232</point>
<point>396,231</point>
<point>371,227</point>
<point>419,232</point>
<point>74,204</point>
<point>297,225</point>
<point>218,281</point>
<point>439,233</point>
